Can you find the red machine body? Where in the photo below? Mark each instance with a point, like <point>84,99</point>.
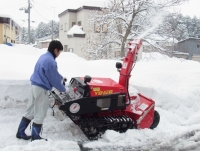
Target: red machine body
<point>141,112</point>
<point>104,86</point>
<point>97,104</point>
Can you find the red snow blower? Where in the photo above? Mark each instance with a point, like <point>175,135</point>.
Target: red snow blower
<point>100,104</point>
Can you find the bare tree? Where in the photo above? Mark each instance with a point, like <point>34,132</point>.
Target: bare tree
<point>123,20</point>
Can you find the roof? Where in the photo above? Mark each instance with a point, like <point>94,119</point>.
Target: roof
<point>190,38</point>
<point>49,40</point>
<point>79,9</point>
<point>45,38</point>
<point>10,17</point>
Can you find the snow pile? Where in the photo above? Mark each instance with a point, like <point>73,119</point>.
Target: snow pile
<point>174,85</point>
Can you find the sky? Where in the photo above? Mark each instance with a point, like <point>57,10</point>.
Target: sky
<point>44,11</point>
<point>173,84</point>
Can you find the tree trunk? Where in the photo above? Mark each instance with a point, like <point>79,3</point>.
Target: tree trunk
<point>124,40</point>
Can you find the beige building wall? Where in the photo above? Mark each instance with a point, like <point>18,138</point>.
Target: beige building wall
<point>10,33</point>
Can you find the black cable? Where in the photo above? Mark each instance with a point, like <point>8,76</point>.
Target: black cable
<point>44,6</point>
<point>39,14</point>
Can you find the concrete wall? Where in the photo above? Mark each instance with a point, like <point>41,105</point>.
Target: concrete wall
<point>76,43</point>
<point>66,20</point>
<point>72,18</point>
<point>65,25</point>
<point>62,33</point>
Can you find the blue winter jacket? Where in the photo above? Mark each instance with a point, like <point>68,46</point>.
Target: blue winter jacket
<point>46,74</point>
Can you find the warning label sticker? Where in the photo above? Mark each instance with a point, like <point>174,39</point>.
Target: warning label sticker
<point>143,106</point>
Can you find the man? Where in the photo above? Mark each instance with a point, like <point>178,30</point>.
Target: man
<point>44,77</point>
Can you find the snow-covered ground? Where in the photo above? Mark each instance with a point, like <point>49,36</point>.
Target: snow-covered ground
<point>173,84</point>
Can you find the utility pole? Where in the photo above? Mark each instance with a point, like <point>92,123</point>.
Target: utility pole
<point>52,24</point>
<point>28,10</point>
<point>29,21</point>
<point>52,31</point>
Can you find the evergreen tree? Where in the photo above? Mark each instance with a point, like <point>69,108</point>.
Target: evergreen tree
<point>24,37</point>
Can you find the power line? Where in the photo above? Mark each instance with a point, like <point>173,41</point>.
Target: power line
<point>39,14</point>
<point>44,6</point>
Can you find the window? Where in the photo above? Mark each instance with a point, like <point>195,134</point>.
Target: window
<point>105,28</point>
<point>79,23</point>
<point>61,27</point>
<point>70,50</point>
<point>4,20</point>
<point>100,28</point>
<point>65,27</point>
<point>73,23</point>
<point>12,24</point>
<point>97,27</point>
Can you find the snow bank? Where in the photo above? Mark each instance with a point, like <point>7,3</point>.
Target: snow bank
<point>173,84</point>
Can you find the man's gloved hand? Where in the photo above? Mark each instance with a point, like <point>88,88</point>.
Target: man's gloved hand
<point>64,80</point>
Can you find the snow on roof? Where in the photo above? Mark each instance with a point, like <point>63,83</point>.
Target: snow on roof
<point>75,30</point>
<point>9,16</point>
<point>194,38</point>
<point>49,40</point>
<point>46,37</point>
<point>5,15</point>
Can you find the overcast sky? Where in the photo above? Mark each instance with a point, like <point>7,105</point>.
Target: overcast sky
<point>42,10</point>
<point>46,10</point>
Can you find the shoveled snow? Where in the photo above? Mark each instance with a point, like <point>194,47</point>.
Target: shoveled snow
<point>174,85</point>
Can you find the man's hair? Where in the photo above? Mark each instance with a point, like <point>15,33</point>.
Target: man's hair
<point>55,44</point>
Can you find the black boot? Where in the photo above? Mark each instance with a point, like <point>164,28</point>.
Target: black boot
<point>35,133</point>
<point>22,127</point>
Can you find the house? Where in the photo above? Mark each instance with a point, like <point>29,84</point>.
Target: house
<point>190,46</point>
<point>9,30</point>
<point>44,41</point>
<point>74,40</point>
